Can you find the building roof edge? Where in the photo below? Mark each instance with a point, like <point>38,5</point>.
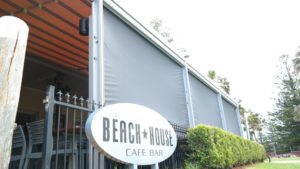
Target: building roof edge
<point>163,45</point>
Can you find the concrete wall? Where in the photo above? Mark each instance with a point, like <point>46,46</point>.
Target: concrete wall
<point>31,102</point>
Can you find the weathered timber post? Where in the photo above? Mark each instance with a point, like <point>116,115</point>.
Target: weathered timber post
<point>13,40</point>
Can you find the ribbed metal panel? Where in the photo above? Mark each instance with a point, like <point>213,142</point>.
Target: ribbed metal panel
<point>231,118</point>
<point>138,72</point>
<point>205,103</point>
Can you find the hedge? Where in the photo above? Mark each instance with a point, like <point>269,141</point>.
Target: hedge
<point>213,148</point>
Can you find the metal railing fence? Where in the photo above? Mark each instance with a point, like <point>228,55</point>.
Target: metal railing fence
<point>65,144</point>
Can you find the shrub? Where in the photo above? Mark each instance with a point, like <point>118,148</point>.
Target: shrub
<point>213,148</point>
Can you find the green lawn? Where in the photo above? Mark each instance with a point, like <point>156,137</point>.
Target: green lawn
<point>286,159</point>
<point>278,163</point>
<point>275,166</point>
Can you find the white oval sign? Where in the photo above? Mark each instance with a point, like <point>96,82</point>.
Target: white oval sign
<point>131,133</point>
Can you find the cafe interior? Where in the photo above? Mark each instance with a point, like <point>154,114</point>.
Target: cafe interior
<point>56,55</point>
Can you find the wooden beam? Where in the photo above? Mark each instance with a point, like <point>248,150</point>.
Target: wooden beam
<point>13,41</point>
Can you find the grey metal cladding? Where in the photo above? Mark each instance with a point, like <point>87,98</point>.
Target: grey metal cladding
<point>231,118</point>
<point>138,72</point>
<point>205,103</point>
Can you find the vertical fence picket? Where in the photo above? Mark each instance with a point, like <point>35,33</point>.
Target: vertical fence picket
<point>47,146</point>
<point>74,142</point>
<point>59,96</point>
<point>80,135</point>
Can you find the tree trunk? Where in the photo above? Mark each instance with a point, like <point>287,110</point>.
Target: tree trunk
<point>13,40</point>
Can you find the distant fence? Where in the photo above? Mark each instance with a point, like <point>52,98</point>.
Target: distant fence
<point>295,153</point>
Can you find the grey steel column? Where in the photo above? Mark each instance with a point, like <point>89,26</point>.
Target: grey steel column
<point>96,54</point>
<point>221,108</point>
<point>96,69</point>
<point>188,96</point>
<point>91,80</point>
<point>239,120</point>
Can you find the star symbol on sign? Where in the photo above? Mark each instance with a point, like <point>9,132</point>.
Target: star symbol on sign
<point>145,133</point>
<point>115,116</point>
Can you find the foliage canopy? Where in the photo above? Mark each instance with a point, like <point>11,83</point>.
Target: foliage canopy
<point>214,148</point>
<point>283,127</point>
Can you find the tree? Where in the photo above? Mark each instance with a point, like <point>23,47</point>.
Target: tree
<point>212,74</point>
<point>223,83</point>
<point>269,142</point>
<point>157,25</point>
<point>271,138</point>
<point>243,112</point>
<point>296,63</point>
<point>297,113</point>
<point>282,119</point>
<point>255,122</point>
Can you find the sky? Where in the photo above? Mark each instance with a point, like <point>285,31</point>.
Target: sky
<point>240,39</point>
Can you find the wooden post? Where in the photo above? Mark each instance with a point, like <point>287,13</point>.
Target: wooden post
<point>13,40</point>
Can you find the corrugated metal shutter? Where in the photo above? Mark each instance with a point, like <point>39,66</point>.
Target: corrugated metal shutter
<point>205,104</point>
<point>137,72</point>
<point>231,118</point>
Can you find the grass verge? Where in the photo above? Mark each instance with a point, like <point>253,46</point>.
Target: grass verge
<point>286,159</point>
<point>275,166</point>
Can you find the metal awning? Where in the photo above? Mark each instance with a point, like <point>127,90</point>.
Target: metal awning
<point>53,33</point>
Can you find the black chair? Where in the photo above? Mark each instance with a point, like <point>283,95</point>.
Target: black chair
<point>18,149</point>
<point>35,143</point>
